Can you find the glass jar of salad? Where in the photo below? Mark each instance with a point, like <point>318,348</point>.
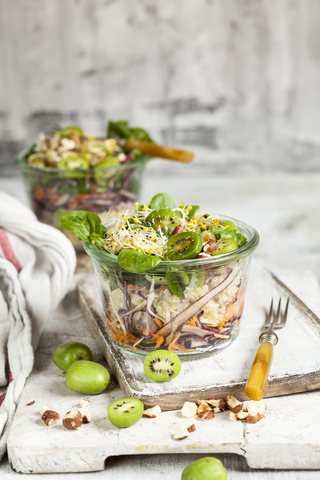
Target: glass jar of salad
<point>169,278</point>
<point>70,171</point>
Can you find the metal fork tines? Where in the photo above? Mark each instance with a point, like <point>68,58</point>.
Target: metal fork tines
<point>274,319</point>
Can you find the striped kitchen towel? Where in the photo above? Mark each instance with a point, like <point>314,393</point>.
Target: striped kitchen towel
<point>37,263</point>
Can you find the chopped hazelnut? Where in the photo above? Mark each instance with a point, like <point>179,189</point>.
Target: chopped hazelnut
<point>49,417</point>
<point>72,420</point>
<point>178,229</point>
<point>192,428</point>
<point>207,235</point>
<point>233,404</point>
<point>218,404</point>
<point>205,412</point>
<point>30,403</point>
<point>210,246</point>
<point>84,403</point>
<point>152,412</point>
<point>254,418</point>
<point>181,432</point>
<point>87,417</point>
<point>189,409</point>
<point>233,417</point>
<point>256,407</point>
<point>242,415</point>
<point>43,409</point>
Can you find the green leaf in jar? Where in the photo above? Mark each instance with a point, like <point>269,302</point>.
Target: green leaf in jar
<point>86,225</point>
<point>161,201</point>
<point>134,261</point>
<point>177,281</point>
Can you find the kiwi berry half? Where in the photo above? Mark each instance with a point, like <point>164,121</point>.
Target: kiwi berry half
<point>161,365</point>
<point>125,412</point>
<point>225,246</point>
<point>165,220</point>
<point>183,246</point>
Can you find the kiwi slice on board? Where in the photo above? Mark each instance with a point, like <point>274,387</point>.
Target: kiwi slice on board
<point>161,365</point>
<point>125,412</point>
<point>225,246</point>
<point>165,220</point>
<point>183,246</point>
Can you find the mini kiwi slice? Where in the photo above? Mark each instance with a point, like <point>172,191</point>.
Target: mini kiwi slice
<point>183,246</point>
<point>225,246</point>
<point>161,365</point>
<point>125,412</point>
<point>164,220</point>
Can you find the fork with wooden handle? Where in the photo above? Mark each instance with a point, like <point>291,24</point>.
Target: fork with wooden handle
<point>154,150</point>
<point>260,369</point>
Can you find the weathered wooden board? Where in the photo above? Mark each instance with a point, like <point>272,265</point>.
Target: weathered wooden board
<point>287,439</point>
<point>295,368</point>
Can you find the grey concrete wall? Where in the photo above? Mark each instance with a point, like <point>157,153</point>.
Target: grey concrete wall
<point>238,81</point>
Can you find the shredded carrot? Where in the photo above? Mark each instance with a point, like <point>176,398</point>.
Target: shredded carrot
<point>157,321</point>
<point>134,287</point>
<point>160,341</point>
<point>192,322</point>
<point>173,341</point>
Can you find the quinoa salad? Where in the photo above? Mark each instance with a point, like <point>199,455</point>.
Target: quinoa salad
<point>69,170</point>
<point>163,279</point>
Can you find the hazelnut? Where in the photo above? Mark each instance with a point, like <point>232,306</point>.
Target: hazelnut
<point>233,417</point>
<point>210,246</point>
<point>256,407</point>
<point>189,409</point>
<point>203,255</point>
<point>49,417</point>
<point>218,404</point>
<point>152,412</point>
<point>254,418</point>
<point>72,420</point>
<point>204,411</point>
<point>242,415</point>
<point>87,417</point>
<point>178,229</point>
<point>43,409</point>
<point>181,432</point>
<point>192,428</point>
<point>233,404</point>
<point>207,235</point>
<point>84,403</point>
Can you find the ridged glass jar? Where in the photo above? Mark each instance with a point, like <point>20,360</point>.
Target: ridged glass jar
<point>142,314</point>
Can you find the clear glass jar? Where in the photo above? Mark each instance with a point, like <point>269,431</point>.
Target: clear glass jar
<point>53,192</point>
<point>142,313</point>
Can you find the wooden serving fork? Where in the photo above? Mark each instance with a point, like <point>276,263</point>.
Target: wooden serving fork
<point>260,369</point>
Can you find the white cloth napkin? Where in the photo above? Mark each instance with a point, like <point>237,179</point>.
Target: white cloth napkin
<point>37,263</point>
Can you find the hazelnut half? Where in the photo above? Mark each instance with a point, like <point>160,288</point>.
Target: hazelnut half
<point>152,412</point>
<point>189,409</point>
<point>87,417</point>
<point>72,420</point>
<point>181,432</point>
<point>233,404</point>
<point>50,417</point>
<point>218,404</point>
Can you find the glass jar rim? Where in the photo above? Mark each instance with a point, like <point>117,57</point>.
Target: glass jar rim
<point>21,164</point>
<point>213,261</point>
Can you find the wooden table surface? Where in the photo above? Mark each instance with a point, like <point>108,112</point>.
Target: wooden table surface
<point>283,210</point>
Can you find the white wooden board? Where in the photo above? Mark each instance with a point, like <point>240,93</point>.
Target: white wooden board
<point>296,366</point>
<point>288,437</point>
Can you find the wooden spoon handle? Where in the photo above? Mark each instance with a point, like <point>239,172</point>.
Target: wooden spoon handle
<point>160,151</point>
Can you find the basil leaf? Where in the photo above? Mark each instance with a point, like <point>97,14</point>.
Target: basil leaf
<point>134,261</point>
<point>193,211</point>
<point>174,284</point>
<point>119,129</point>
<point>141,135</point>
<point>162,200</point>
<point>86,225</point>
